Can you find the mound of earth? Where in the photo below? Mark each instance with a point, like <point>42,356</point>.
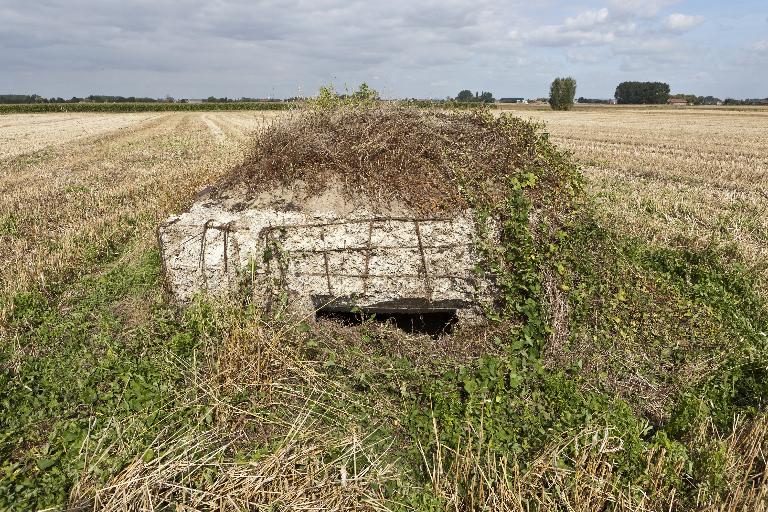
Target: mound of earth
<point>348,208</point>
<point>412,158</point>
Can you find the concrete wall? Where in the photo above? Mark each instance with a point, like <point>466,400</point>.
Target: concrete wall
<point>320,259</point>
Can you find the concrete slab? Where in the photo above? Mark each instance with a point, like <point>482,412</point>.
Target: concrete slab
<point>322,258</point>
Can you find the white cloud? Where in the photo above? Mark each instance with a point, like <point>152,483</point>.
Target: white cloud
<point>556,35</point>
<point>590,28</point>
<point>682,22</point>
<point>585,55</point>
<point>657,46</point>
<point>588,19</point>
<point>761,46</point>
<point>639,8</point>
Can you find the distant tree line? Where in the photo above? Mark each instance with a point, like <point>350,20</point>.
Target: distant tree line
<point>126,99</point>
<point>27,99</point>
<point>213,99</point>
<point>466,96</point>
<point>626,93</point>
<point>655,93</point>
<point>642,93</point>
<point>19,99</point>
<point>692,99</point>
<point>157,106</point>
<point>582,99</point>
<point>749,101</point>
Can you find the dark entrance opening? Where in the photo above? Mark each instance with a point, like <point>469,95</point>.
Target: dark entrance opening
<point>435,323</point>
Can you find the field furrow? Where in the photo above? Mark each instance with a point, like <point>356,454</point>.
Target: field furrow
<point>27,133</point>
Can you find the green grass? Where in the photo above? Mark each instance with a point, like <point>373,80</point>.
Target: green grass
<point>627,299</point>
<point>106,367</point>
<point>641,393</point>
<point>73,374</point>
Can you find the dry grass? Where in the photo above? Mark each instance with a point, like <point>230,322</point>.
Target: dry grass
<point>67,201</point>
<point>291,444</point>
<point>579,472</point>
<point>662,174</point>
<point>26,133</point>
<point>418,158</point>
<point>743,453</point>
<point>196,469</point>
<point>250,458</point>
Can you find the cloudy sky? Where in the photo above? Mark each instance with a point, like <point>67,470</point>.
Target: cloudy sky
<point>404,48</point>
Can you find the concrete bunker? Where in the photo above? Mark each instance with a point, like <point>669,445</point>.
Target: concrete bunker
<point>328,256</point>
<point>343,211</point>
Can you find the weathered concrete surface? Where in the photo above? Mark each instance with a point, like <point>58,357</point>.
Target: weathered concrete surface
<point>323,254</point>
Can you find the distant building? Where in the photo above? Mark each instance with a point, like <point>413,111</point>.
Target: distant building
<point>194,101</point>
<point>677,101</point>
<point>513,100</point>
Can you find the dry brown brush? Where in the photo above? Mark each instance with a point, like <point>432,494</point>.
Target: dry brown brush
<point>422,159</point>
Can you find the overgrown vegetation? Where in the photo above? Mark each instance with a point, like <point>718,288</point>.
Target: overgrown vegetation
<point>393,153</point>
<point>617,374</point>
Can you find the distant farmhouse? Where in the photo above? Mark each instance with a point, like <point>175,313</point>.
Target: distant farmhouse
<point>677,101</point>
<point>513,100</point>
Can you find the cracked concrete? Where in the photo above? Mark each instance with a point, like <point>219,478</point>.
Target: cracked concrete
<point>324,252</point>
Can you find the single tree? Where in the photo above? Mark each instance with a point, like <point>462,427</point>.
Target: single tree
<point>465,96</point>
<point>486,97</point>
<point>561,93</point>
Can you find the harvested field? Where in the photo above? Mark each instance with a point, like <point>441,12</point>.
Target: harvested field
<point>625,368</point>
<point>28,133</point>
<point>662,173</point>
<point>77,185</point>
<point>658,173</point>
